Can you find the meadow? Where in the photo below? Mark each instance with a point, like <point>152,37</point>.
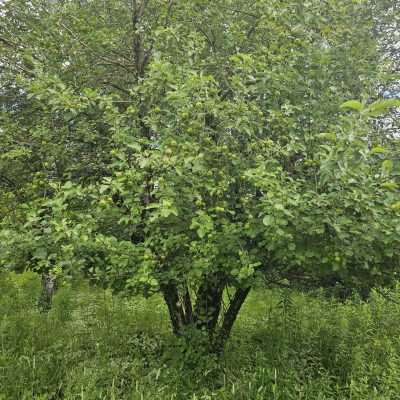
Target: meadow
<point>285,345</point>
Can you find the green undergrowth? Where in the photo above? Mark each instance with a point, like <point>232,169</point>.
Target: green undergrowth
<point>285,345</point>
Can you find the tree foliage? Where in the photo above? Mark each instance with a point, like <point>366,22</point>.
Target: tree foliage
<point>191,147</point>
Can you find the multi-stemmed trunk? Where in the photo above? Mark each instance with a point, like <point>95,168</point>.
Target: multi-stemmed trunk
<point>208,314</point>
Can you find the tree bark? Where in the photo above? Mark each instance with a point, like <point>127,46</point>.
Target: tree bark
<point>229,319</point>
<point>206,313</point>
<point>49,287</point>
<point>176,312</point>
<point>140,56</point>
<point>187,303</point>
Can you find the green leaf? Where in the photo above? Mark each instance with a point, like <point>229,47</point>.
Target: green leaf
<point>378,150</point>
<point>387,167</point>
<point>328,136</point>
<point>382,106</point>
<point>201,232</point>
<point>396,207</point>
<point>353,105</point>
<point>268,220</point>
<point>390,186</point>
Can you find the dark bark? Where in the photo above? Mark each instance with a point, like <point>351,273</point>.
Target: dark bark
<point>49,287</point>
<point>229,319</point>
<point>176,312</point>
<point>365,292</point>
<point>141,57</point>
<point>187,303</point>
<point>206,313</point>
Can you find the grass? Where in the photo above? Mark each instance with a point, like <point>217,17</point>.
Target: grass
<point>285,345</point>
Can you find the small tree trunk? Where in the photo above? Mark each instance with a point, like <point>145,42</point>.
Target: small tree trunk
<point>229,319</point>
<point>49,286</point>
<point>175,310</point>
<point>187,302</point>
<point>365,292</point>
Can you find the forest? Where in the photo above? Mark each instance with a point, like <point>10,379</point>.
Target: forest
<point>199,199</point>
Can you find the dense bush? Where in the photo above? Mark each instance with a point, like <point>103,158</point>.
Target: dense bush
<point>288,345</point>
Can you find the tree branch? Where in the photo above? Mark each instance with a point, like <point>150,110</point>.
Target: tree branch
<point>188,306</point>
<point>106,60</point>
<point>230,318</point>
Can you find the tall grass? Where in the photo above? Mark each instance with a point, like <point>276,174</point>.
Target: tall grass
<point>286,345</point>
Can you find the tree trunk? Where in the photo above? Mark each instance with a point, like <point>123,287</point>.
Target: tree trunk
<point>229,319</point>
<point>206,313</point>
<point>176,312</point>
<point>49,286</point>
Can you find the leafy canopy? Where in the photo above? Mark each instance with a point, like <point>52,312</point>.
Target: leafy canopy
<point>187,147</point>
